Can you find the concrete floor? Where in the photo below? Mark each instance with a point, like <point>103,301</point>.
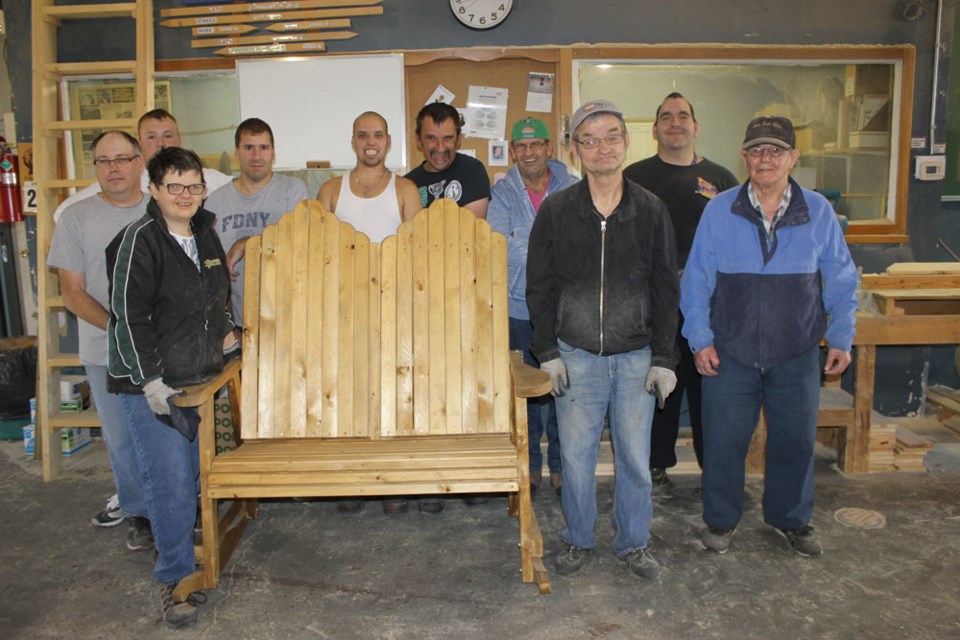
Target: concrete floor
<point>303,571</point>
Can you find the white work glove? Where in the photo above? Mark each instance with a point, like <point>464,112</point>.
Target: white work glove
<point>156,393</point>
<point>558,375</point>
<point>660,383</point>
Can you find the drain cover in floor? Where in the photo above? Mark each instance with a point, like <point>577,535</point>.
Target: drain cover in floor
<point>860,518</point>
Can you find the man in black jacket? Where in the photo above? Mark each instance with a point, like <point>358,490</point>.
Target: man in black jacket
<point>603,293</point>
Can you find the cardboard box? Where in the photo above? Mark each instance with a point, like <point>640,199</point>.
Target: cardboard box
<point>74,439</point>
<point>33,411</point>
<point>74,393</point>
<point>29,439</point>
<point>869,139</point>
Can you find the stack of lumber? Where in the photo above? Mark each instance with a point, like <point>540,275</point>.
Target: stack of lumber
<point>908,288</point>
<point>945,400</point>
<point>910,450</point>
<point>881,452</point>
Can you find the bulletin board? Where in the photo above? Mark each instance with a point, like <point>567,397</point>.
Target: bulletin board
<point>458,75</point>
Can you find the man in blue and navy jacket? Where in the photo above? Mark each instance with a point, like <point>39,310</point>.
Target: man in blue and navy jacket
<point>768,277</point>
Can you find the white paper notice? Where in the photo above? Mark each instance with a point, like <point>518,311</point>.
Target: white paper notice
<point>540,92</point>
<point>497,153</point>
<point>441,94</point>
<point>486,112</point>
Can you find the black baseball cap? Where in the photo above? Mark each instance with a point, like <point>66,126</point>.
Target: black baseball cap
<point>775,130</point>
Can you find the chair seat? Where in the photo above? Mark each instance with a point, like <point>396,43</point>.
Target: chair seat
<point>484,463</point>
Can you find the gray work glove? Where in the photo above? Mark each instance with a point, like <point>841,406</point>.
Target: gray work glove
<point>660,383</point>
<point>558,375</point>
<point>156,393</point>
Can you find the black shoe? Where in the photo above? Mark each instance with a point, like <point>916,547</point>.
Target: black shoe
<point>803,540</point>
<point>139,535</point>
<point>556,481</point>
<point>642,563</point>
<point>395,505</point>
<point>717,539</point>
<point>536,477</point>
<point>349,505</point>
<point>659,478</point>
<point>431,505</point>
<point>179,614</point>
<point>572,559</point>
<point>111,516</point>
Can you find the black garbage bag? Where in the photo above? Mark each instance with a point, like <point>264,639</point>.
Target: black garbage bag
<point>18,381</point>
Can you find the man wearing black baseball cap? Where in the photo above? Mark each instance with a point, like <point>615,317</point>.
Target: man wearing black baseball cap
<point>769,276</point>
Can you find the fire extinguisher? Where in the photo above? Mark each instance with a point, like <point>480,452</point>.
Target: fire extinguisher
<point>11,208</point>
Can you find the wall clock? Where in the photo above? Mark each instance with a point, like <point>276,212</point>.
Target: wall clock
<point>481,14</point>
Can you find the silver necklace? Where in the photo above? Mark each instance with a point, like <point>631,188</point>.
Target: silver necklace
<point>368,190</point>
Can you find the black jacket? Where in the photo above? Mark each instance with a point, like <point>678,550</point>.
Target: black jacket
<point>606,286</point>
<point>166,318</point>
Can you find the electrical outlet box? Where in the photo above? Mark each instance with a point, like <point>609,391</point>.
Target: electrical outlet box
<point>929,168</point>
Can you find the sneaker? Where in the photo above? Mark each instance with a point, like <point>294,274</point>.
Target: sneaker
<point>556,481</point>
<point>139,535</point>
<point>659,478</point>
<point>395,505</point>
<point>717,539</point>
<point>803,540</point>
<point>179,614</point>
<point>572,559</point>
<point>431,505</point>
<point>349,505</point>
<point>642,563</point>
<point>111,516</point>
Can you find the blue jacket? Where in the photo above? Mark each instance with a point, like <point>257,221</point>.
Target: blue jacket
<point>764,301</point>
<point>511,213</point>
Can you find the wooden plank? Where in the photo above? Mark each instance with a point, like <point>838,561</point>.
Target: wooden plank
<point>329,347</point>
<point>871,281</point>
<point>283,354</point>
<point>852,454</point>
<point>437,421</point>
<point>421,323</point>
<point>903,330</point>
<point>362,328</point>
<point>223,30</point>
<point>452,320</point>
<point>251,338</point>
<point>910,440</point>
<point>309,25</point>
<point>404,323</point>
<point>485,333</point>
<point>345,333</point>
<point>501,335</point>
<point>272,49</point>
<point>279,38</point>
<point>268,332</point>
<point>299,299</point>
<point>468,322</point>
<point>389,355</point>
<point>315,321</point>
<point>913,268</point>
<point>272,17</point>
<point>259,7</point>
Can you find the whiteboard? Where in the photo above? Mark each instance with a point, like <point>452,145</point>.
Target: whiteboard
<point>311,103</point>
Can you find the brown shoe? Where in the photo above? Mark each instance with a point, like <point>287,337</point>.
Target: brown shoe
<point>556,481</point>
<point>536,477</point>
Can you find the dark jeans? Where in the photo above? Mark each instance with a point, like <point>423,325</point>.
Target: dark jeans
<point>542,411</point>
<point>790,394</point>
<point>666,421</point>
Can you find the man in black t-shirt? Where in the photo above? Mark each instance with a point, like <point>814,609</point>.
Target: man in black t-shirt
<point>445,173</point>
<point>685,182</point>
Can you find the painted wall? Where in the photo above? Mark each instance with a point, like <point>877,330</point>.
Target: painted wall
<point>429,24</point>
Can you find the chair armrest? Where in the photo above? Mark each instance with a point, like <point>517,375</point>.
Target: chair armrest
<point>196,395</point>
<point>528,382</point>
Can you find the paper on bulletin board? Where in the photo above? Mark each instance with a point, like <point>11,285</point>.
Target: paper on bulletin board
<point>540,92</point>
<point>441,94</point>
<point>497,153</point>
<point>486,112</point>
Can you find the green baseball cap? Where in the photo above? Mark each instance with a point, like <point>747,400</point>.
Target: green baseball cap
<point>527,128</point>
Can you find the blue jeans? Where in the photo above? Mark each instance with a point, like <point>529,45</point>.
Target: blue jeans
<point>790,395</point>
<point>542,411</point>
<point>120,448</point>
<point>169,468</point>
<point>600,385</point>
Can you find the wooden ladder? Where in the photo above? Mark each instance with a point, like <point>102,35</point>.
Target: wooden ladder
<point>48,130</point>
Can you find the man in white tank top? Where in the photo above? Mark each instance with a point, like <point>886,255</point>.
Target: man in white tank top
<point>370,197</point>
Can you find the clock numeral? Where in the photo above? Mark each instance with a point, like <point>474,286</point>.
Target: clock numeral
<point>483,20</point>
<point>502,8</point>
<point>462,10</point>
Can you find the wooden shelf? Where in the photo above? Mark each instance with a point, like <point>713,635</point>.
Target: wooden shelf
<point>68,419</point>
<point>91,68</point>
<point>91,11</point>
<point>77,125</point>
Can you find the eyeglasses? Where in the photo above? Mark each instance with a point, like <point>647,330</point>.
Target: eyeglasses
<point>119,161</point>
<point>593,143</point>
<point>772,151</point>
<point>175,188</point>
<point>523,147</point>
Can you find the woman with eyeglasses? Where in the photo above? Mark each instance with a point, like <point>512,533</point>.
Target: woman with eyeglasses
<point>169,296</point>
